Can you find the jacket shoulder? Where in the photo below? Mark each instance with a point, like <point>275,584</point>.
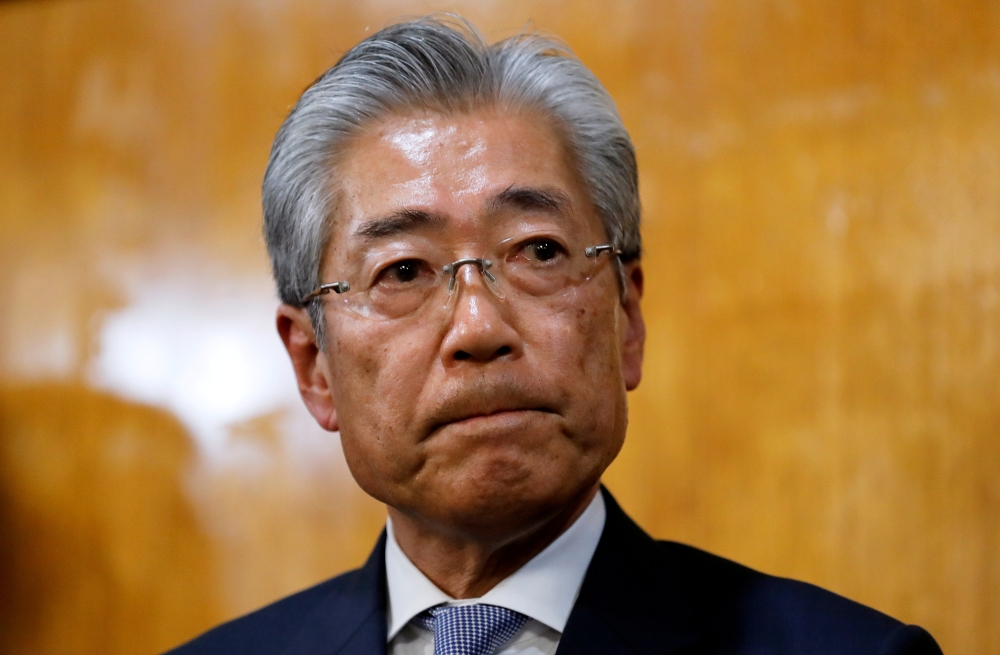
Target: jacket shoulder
<point>765,613</point>
<point>270,628</point>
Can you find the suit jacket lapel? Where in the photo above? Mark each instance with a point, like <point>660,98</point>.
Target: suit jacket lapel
<point>352,621</point>
<point>630,601</point>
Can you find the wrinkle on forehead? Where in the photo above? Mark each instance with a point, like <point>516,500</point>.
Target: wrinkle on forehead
<point>441,156</point>
<point>424,143</point>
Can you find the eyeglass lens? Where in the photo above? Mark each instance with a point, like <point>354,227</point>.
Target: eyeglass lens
<point>397,282</point>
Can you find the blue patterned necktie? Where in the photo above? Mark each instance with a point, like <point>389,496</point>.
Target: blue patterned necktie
<point>470,629</point>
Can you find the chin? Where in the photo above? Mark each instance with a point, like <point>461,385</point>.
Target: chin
<point>501,505</point>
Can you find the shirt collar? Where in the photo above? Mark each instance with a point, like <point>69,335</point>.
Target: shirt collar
<point>544,589</point>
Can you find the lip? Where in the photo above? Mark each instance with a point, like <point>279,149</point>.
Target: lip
<point>501,413</point>
<point>496,417</point>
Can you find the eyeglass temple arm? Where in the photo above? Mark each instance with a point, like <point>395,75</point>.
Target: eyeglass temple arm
<point>594,251</point>
<point>339,287</point>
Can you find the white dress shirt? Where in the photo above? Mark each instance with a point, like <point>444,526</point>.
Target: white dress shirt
<point>544,590</point>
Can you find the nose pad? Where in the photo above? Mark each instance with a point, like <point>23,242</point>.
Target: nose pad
<point>484,266</point>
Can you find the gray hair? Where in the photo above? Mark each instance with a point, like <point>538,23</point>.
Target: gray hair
<point>441,63</point>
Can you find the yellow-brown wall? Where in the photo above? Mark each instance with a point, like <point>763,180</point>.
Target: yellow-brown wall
<point>821,182</point>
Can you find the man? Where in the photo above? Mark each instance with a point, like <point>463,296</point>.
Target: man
<point>454,231</point>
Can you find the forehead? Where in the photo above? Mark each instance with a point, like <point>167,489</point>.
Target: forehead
<point>451,166</point>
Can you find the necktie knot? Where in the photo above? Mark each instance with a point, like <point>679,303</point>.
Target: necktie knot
<point>470,629</point>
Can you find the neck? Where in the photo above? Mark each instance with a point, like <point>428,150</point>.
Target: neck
<point>466,565</point>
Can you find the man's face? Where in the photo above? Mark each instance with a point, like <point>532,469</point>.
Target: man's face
<point>489,413</point>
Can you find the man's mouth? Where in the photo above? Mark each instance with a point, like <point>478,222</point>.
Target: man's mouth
<point>498,416</point>
<point>500,413</point>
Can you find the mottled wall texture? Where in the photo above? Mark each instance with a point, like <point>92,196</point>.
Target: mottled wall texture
<point>821,182</point>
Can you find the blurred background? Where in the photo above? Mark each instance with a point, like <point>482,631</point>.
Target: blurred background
<point>821,183</point>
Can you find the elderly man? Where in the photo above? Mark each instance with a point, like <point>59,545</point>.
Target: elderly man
<point>454,230</point>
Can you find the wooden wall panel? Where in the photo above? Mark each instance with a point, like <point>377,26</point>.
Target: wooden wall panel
<point>821,182</point>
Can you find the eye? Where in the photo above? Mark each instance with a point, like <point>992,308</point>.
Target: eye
<point>542,250</point>
<point>403,272</point>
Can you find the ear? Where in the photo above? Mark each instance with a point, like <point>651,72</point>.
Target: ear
<point>634,334</point>
<point>312,370</point>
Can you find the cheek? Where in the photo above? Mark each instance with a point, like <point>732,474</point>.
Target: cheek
<point>376,380</point>
<point>587,339</point>
<point>601,352</point>
<point>579,349</point>
<point>371,365</point>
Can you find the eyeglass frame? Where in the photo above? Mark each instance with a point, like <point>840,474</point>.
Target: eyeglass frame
<point>452,271</point>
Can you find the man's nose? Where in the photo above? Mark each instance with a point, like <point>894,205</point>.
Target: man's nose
<point>480,329</point>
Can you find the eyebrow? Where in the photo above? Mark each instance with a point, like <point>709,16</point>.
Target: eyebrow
<point>513,197</point>
<point>529,198</point>
<point>398,222</point>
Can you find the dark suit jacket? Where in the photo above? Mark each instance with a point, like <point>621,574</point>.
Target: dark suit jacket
<point>639,596</point>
